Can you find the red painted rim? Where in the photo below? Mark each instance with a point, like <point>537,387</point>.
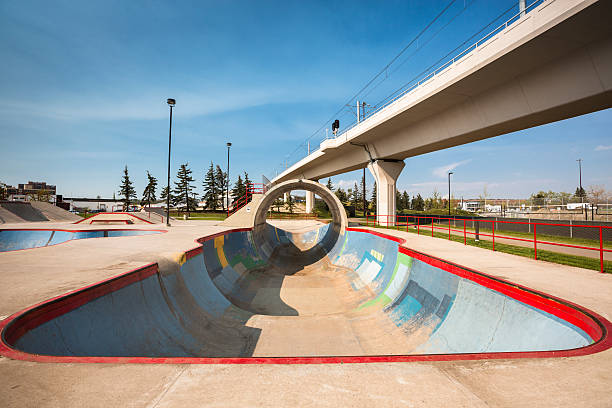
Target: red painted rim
<point>120,213</point>
<point>592,323</point>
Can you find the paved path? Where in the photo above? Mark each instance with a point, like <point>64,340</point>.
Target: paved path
<point>35,275</point>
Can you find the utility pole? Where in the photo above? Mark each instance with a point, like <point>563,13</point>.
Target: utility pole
<point>449,193</point>
<point>522,7</point>
<point>580,173</point>
<point>358,113</point>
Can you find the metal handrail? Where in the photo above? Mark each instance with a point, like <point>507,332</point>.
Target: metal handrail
<point>392,220</point>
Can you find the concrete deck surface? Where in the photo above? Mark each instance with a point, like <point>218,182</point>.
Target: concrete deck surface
<point>31,276</point>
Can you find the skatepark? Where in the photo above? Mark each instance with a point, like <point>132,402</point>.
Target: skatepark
<point>145,308</point>
<point>353,302</point>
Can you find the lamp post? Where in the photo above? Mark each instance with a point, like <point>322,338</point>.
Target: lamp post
<point>171,102</point>
<point>580,175</point>
<point>228,178</point>
<point>449,193</point>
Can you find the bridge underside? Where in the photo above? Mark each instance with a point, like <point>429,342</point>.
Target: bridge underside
<point>533,73</point>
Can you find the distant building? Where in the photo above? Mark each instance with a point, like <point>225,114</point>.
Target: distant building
<point>32,188</point>
<point>94,204</point>
<point>472,206</point>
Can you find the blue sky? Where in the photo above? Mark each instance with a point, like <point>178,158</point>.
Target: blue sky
<point>84,86</point>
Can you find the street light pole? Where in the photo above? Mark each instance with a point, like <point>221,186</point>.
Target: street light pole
<point>449,193</point>
<point>171,102</point>
<point>228,178</point>
<point>580,172</point>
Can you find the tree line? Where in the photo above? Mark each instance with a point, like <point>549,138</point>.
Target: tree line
<point>214,184</point>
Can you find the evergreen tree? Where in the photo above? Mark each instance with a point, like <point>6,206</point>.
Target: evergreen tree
<point>418,204</point>
<point>329,185</point>
<point>148,195</point>
<point>406,200</point>
<point>364,194</point>
<point>356,199</point>
<point>399,203</point>
<point>221,181</point>
<point>164,195</point>
<point>238,190</point>
<point>183,190</point>
<point>127,190</point>
<point>374,197</point>
<point>341,194</point>
<point>211,189</point>
<point>247,182</point>
<point>580,193</point>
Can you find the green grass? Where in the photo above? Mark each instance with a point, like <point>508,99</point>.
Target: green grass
<point>555,257</point>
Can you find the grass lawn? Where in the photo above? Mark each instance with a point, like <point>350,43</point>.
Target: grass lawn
<point>564,259</point>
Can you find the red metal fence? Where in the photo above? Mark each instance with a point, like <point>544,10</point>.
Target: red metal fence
<point>251,188</point>
<point>427,224</point>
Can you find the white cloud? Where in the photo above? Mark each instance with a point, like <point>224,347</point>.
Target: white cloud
<point>602,147</point>
<point>443,170</point>
<point>344,184</point>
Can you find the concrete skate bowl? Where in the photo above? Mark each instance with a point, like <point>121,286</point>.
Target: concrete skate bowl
<point>370,300</point>
<point>19,239</point>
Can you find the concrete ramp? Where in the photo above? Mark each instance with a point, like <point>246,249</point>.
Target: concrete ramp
<point>23,210</point>
<point>53,212</point>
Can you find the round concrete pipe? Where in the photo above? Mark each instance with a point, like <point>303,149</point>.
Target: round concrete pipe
<point>339,221</point>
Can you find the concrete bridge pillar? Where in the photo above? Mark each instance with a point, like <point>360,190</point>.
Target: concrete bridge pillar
<point>310,197</point>
<point>285,197</point>
<point>385,173</point>
<point>310,200</point>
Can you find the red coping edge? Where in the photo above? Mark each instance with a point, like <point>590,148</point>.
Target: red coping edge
<point>65,230</point>
<point>592,323</point>
<point>116,213</point>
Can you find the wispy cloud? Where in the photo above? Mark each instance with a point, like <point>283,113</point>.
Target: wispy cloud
<point>602,147</point>
<point>442,171</point>
<point>345,184</point>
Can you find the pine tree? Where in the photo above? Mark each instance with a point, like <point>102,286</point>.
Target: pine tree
<point>373,199</point>
<point>329,185</point>
<point>221,181</point>
<point>418,204</point>
<point>399,203</point>
<point>238,190</point>
<point>164,196</point>
<point>183,189</point>
<point>364,194</point>
<point>211,189</point>
<point>356,196</point>
<point>127,190</point>
<point>247,183</point>
<point>148,195</point>
<point>406,200</point>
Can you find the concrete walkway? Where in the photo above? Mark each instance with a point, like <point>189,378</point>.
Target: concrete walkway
<point>34,275</point>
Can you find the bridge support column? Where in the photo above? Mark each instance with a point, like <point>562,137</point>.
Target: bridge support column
<point>310,198</point>
<point>285,197</point>
<point>385,173</point>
